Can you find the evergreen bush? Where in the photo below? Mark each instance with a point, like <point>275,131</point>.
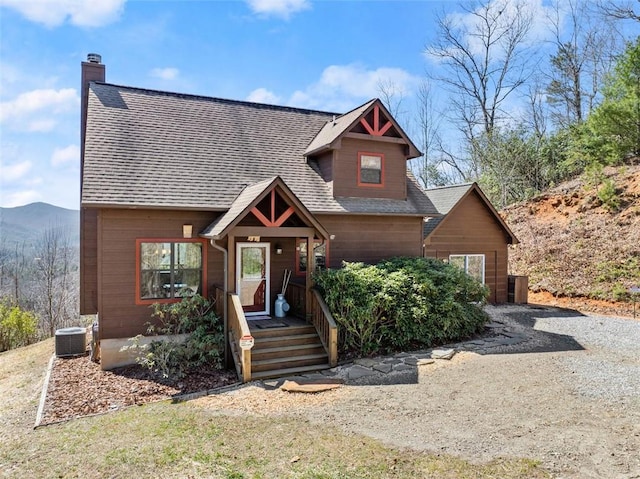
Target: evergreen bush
<point>174,358</point>
<point>402,303</point>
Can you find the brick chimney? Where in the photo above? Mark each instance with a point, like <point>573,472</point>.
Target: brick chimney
<point>92,71</point>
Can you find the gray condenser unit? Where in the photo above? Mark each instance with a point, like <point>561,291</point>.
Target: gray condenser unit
<point>71,341</point>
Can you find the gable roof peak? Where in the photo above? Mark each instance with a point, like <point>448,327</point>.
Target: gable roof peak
<point>343,124</point>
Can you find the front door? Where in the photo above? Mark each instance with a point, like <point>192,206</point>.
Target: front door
<point>252,273</point>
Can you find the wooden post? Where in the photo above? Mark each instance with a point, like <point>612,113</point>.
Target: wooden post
<point>311,266</point>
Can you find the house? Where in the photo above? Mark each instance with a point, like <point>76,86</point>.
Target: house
<point>470,233</point>
<point>220,197</point>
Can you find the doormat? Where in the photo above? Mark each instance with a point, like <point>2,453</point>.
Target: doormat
<point>271,324</point>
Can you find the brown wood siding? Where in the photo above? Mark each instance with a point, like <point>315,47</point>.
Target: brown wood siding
<point>372,238</point>
<point>471,229</point>
<point>88,261</point>
<point>325,164</point>
<point>345,174</point>
<point>120,317</point>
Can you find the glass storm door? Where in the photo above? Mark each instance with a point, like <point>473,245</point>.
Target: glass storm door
<point>252,277</point>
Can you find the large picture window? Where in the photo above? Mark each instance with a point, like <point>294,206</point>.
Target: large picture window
<point>370,169</point>
<point>320,251</point>
<point>472,264</point>
<point>168,270</point>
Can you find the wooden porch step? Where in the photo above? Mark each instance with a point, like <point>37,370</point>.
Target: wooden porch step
<point>288,351</point>
<point>278,332</point>
<point>275,373</point>
<point>287,362</point>
<point>283,341</point>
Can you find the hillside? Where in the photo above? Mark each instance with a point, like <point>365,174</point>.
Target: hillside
<point>573,246</point>
<point>27,223</point>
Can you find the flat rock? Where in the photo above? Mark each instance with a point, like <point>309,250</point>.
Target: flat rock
<point>366,362</point>
<point>392,361</point>
<point>424,362</point>
<point>443,353</point>
<point>383,368</point>
<point>357,372</point>
<point>411,361</point>
<point>402,367</point>
<point>316,386</point>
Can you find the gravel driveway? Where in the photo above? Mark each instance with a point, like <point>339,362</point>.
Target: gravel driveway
<point>568,396</point>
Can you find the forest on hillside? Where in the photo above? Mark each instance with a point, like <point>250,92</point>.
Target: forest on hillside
<point>516,119</point>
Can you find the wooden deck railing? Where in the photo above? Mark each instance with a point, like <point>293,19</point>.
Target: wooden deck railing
<point>325,326</point>
<point>295,296</point>
<point>238,328</point>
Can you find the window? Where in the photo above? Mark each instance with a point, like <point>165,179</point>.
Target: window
<point>472,264</point>
<point>168,270</point>
<point>370,169</point>
<point>320,251</point>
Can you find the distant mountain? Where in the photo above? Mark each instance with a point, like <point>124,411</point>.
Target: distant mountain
<point>26,224</point>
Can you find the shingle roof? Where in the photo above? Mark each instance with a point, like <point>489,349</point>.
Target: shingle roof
<point>336,127</point>
<point>147,148</point>
<point>446,197</point>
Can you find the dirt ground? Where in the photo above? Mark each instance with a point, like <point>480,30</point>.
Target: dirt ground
<point>536,400</point>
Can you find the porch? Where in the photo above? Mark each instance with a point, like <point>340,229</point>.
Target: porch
<point>273,347</point>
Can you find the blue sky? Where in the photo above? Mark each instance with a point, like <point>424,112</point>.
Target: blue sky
<point>328,55</point>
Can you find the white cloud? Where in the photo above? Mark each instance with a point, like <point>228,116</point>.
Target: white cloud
<point>33,110</point>
<point>278,8</point>
<point>341,87</point>
<point>470,23</point>
<point>262,95</point>
<point>69,154</point>
<point>20,198</point>
<point>41,125</point>
<point>15,172</point>
<point>165,73</point>
<point>82,13</point>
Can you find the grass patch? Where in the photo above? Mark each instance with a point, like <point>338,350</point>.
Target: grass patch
<point>185,440</point>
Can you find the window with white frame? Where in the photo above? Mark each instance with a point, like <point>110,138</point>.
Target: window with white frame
<point>472,264</point>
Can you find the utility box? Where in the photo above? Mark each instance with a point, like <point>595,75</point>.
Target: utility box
<point>518,289</point>
<point>71,342</point>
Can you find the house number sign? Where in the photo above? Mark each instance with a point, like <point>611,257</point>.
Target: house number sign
<point>246,342</point>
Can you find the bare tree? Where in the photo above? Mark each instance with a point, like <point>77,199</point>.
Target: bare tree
<point>55,285</point>
<point>392,96</point>
<point>625,10</point>
<point>486,60</point>
<point>426,167</point>
<point>585,45</point>
<point>14,271</point>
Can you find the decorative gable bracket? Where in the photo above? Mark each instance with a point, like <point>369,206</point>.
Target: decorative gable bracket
<point>376,129</point>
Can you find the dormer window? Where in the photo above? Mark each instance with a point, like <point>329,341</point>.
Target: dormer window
<point>370,169</point>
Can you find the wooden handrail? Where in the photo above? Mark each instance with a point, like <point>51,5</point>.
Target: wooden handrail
<point>325,326</point>
<point>238,328</point>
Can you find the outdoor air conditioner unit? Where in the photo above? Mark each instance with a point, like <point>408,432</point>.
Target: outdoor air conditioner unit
<point>71,341</point>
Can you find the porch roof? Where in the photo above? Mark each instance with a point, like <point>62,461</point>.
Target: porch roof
<point>249,198</point>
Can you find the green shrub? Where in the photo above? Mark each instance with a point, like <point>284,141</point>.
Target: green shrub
<point>17,327</point>
<point>401,303</point>
<point>608,195</point>
<point>172,358</point>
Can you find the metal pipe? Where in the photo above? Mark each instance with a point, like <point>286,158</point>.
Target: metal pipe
<point>225,253</point>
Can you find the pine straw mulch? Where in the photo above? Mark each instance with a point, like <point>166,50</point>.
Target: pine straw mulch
<point>78,387</point>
